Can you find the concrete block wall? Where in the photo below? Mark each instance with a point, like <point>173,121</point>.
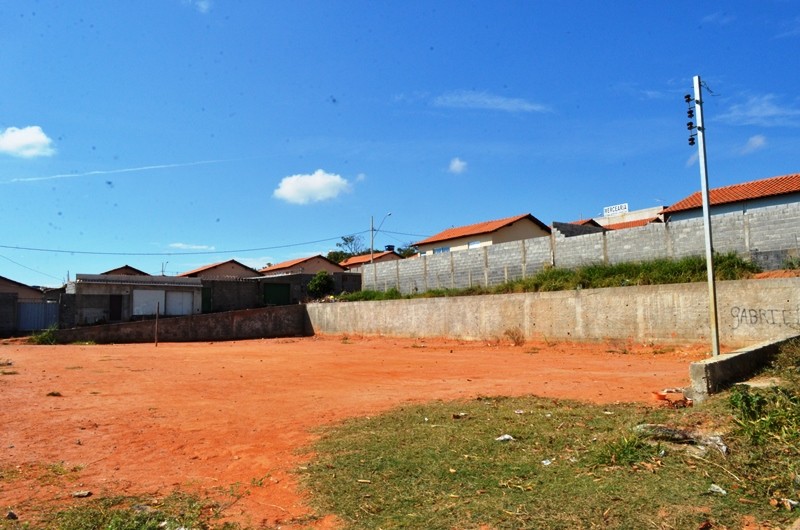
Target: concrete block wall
<point>749,312</point>
<point>766,235</point>
<point>643,243</point>
<point>570,252</point>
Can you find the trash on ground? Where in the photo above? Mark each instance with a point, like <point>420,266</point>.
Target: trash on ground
<point>504,438</point>
<point>716,489</point>
<point>674,397</point>
<point>546,462</point>
<point>787,504</point>
<point>680,436</point>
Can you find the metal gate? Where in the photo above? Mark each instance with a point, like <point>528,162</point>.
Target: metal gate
<point>36,316</point>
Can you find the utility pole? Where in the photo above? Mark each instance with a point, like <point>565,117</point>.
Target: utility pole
<point>701,148</point>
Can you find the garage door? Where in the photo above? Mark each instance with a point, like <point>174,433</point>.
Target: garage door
<point>179,303</point>
<point>145,302</point>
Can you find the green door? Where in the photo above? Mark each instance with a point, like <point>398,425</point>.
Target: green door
<point>277,294</point>
<point>208,300</point>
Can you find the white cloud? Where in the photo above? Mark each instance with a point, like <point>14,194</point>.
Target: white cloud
<point>188,246</point>
<point>692,160</point>
<point>720,18</point>
<point>305,189</point>
<point>457,166</point>
<point>481,100</point>
<point>792,29</point>
<point>203,6</point>
<point>28,142</point>
<point>764,111</point>
<point>754,143</point>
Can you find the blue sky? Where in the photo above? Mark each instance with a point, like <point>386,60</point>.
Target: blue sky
<point>171,134</point>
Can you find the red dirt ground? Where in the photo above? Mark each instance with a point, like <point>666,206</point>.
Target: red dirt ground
<point>211,417</point>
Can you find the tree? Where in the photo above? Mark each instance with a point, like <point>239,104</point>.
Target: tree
<point>352,245</point>
<point>407,250</point>
<point>321,285</point>
<point>349,246</point>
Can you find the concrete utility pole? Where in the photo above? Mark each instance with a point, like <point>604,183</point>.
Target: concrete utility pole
<point>372,234</point>
<point>701,148</point>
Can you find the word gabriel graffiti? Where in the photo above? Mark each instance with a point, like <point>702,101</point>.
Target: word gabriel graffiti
<point>744,316</point>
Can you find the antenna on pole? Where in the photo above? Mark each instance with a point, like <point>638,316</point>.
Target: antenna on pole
<point>697,112</point>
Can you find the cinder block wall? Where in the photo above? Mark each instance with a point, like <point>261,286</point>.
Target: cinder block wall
<point>767,236</point>
<point>749,312</point>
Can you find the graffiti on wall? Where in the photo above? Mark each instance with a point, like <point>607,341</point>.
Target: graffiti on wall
<point>750,316</point>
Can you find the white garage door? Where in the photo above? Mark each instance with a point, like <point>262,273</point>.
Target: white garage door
<point>145,302</point>
<point>179,303</point>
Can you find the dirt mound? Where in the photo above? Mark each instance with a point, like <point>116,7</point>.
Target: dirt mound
<point>782,273</point>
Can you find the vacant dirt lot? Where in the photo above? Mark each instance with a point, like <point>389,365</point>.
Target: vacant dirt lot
<point>224,419</point>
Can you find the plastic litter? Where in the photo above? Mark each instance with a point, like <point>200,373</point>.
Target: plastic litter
<point>716,489</point>
<point>504,438</point>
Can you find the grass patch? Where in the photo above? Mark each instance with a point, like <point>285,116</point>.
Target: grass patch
<point>596,276</point>
<point>44,337</point>
<point>569,465</point>
<point>178,510</point>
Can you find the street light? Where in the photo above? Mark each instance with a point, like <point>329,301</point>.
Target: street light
<point>372,234</point>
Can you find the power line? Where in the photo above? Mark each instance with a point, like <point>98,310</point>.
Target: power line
<point>193,253</point>
<point>29,268</point>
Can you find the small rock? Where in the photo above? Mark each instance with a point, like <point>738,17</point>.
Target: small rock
<point>504,438</point>
<point>81,494</point>
<point>11,516</point>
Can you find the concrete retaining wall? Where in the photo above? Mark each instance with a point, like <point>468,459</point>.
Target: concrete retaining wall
<point>285,321</point>
<point>766,235</point>
<point>718,373</point>
<point>749,312</point>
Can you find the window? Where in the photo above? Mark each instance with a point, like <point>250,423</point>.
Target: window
<point>441,250</point>
<point>473,244</point>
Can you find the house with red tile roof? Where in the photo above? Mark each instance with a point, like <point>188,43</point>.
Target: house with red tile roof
<point>355,262</point>
<point>742,197</point>
<point>309,265</point>
<point>225,270</point>
<point>483,234</point>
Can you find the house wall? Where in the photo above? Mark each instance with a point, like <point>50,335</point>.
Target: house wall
<point>749,312</point>
<point>23,292</point>
<point>737,207</point>
<point>8,314</point>
<point>91,303</point>
<point>767,236</point>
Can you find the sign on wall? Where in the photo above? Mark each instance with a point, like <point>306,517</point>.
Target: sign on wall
<point>616,209</point>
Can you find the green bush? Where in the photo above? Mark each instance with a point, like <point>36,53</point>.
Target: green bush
<point>321,284</point>
<point>46,336</point>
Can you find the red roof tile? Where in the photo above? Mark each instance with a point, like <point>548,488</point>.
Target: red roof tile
<point>741,192</point>
<point>291,263</point>
<point>364,258</point>
<point>212,266</point>
<point>485,227</point>
<point>632,224</point>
